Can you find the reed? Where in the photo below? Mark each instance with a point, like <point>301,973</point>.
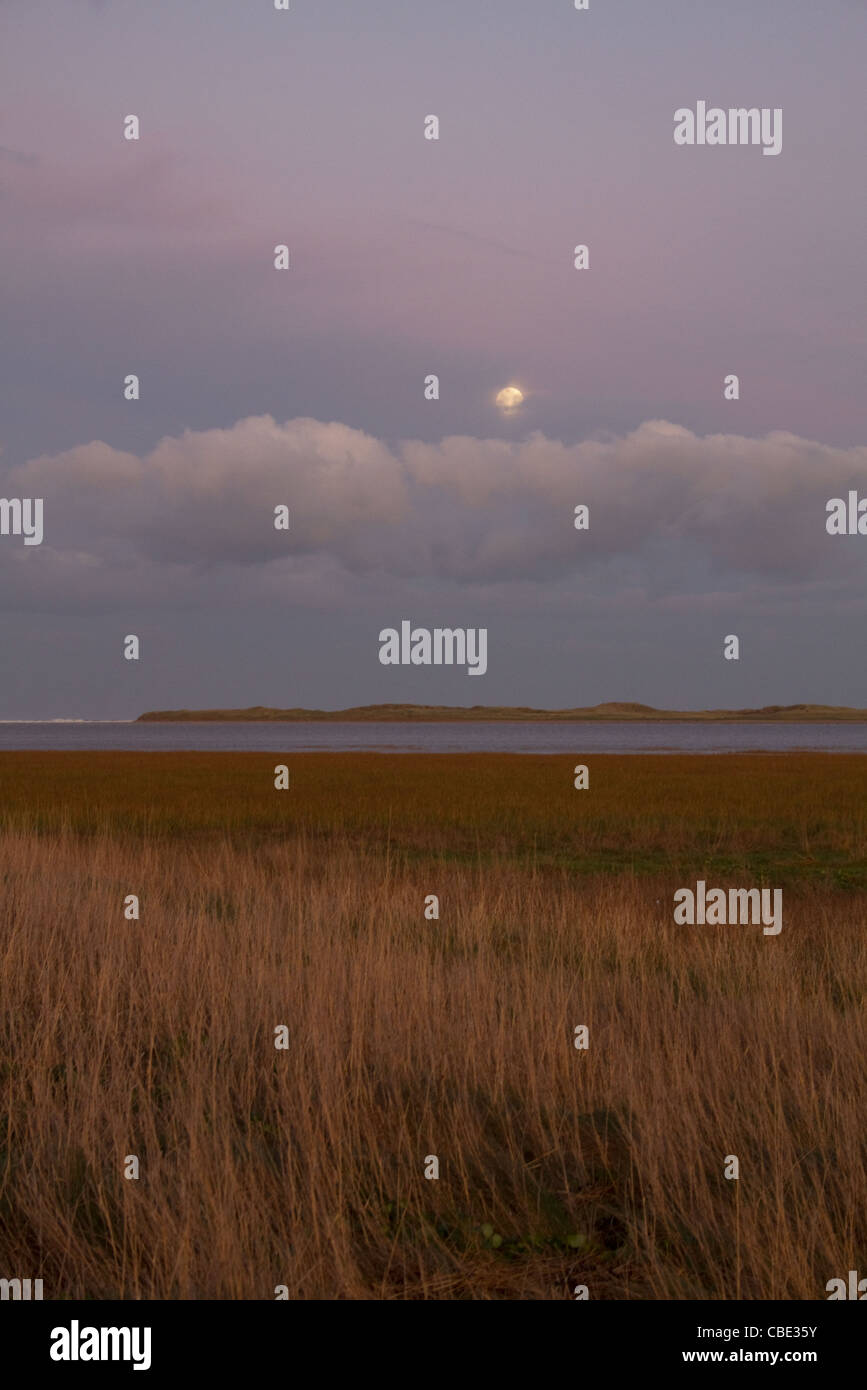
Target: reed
<point>410,1038</point>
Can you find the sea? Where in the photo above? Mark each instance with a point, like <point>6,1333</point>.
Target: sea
<point>578,738</point>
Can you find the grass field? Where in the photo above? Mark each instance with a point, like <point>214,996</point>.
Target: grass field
<point>408,1038</point>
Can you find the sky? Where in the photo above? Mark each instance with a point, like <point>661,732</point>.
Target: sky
<point>411,257</point>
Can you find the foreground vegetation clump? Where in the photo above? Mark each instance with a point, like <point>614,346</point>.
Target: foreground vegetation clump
<point>411,1037</point>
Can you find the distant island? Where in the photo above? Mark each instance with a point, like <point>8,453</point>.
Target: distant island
<point>519,714</point>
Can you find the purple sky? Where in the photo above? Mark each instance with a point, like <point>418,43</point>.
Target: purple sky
<point>411,257</point>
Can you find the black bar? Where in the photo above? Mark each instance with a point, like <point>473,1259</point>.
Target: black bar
<point>369,1337</point>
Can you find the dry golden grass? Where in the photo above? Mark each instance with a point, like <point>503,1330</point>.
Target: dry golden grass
<point>408,1038</point>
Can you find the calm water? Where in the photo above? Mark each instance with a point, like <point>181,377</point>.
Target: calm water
<point>443,738</point>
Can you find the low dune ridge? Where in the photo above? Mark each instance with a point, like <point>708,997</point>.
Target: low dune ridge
<point>399,714</point>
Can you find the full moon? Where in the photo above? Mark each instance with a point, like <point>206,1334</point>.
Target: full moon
<point>510,397</point>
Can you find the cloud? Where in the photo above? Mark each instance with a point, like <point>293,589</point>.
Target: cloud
<point>206,499</point>
<point>147,194</point>
<point>753,505</point>
<point>490,243</point>
<point>17,156</point>
<point>672,513</point>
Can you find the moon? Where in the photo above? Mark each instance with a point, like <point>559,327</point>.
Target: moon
<point>510,397</point>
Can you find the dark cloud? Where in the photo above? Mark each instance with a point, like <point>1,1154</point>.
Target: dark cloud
<point>672,512</point>
<point>17,156</point>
